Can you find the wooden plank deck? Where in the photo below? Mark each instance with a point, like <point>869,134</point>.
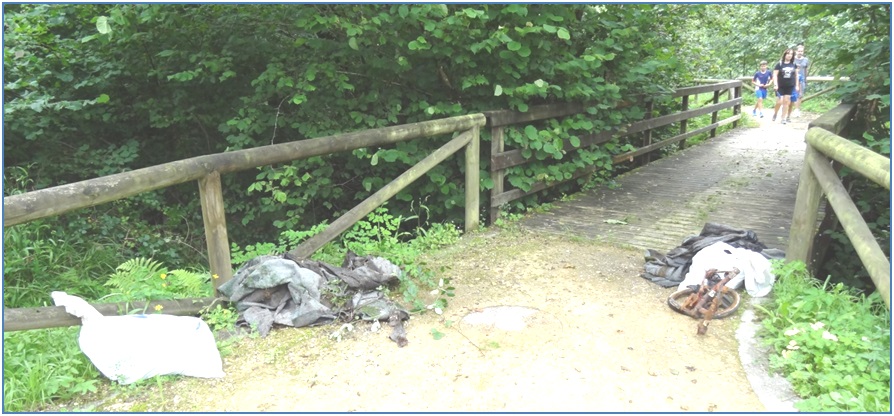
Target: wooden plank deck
<point>746,179</point>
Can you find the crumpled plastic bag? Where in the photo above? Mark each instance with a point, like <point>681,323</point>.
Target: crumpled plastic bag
<point>754,268</point>
<point>131,348</point>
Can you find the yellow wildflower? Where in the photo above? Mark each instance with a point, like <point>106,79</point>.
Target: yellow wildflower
<point>164,285</point>
<point>159,307</point>
<point>163,276</point>
<point>215,276</point>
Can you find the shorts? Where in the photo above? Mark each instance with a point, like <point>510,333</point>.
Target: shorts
<point>794,95</point>
<point>785,90</point>
<point>760,93</point>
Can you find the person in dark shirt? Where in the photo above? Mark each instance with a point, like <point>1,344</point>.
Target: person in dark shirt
<point>785,80</point>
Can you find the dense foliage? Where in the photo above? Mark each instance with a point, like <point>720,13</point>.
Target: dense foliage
<point>119,87</point>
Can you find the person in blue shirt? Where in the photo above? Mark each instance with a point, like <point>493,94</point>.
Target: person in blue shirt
<point>761,80</point>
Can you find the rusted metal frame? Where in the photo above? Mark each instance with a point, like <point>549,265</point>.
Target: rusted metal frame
<point>867,248</point>
<point>343,223</point>
<point>627,157</point>
<point>21,319</point>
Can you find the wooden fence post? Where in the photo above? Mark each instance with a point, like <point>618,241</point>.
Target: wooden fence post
<point>473,181</point>
<point>803,229</point>
<point>684,122</point>
<point>496,175</point>
<point>714,114</point>
<point>647,135</point>
<point>215,229</point>
<point>738,108</point>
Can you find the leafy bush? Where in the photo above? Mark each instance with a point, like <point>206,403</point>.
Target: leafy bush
<point>833,345</point>
<point>43,365</point>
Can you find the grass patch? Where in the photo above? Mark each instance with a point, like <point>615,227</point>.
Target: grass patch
<point>831,343</point>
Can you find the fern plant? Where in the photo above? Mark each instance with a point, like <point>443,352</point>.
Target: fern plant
<point>142,279</point>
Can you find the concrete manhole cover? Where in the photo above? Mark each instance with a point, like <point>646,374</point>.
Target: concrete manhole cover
<point>510,324</point>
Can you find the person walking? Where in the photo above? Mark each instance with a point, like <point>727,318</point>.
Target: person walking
<point>803,62</point>
<point>761,80</point>
<point>785,80</point>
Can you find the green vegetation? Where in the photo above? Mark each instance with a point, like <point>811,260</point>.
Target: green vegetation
<point>42,366</point>
<point>833,344</point>
<point>97,89</point>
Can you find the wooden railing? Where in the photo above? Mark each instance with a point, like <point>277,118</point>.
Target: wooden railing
<point>502,159</point>
<point>818,178</point>
<point>746,82</point>
<point>206,170</point>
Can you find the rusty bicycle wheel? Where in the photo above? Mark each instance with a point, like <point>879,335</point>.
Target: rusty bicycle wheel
<point>729,303</point>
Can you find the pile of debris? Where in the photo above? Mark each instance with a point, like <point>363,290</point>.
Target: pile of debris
<point>281,290</point>
<point>717,247</point>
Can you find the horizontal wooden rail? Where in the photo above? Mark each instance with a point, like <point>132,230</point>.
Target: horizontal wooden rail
<point>21,319</point>
<point>503,159</point>
<point>61,199</point>
<point>657,145</point>
<point>701,89</point>
<point>867,248</point>
<point>873,166</point>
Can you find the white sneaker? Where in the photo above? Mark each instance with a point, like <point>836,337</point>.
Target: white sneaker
<point>797,112</point>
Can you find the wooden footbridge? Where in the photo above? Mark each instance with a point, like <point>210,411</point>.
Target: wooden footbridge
<point>764,179</point>
<point>746,178</point>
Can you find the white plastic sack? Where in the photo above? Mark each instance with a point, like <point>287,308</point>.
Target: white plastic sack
<point>135,347</point>
<point>754,268</point>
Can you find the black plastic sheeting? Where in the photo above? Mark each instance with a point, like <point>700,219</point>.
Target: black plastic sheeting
<point>270,290</point>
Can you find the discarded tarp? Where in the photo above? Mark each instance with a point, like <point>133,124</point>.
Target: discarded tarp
<point>754,268</point>
<point>271,290</point>
<point>670,269</point>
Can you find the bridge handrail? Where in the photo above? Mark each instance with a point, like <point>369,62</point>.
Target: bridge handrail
<point>818,178</point>
<point>502,159</point>
<point>21,208</point>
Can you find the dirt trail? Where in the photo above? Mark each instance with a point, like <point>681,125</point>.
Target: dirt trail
<point>603,340</point>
